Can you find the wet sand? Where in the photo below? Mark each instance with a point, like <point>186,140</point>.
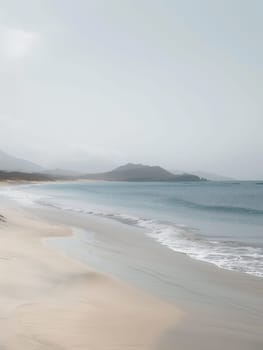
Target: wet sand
<point>109,286</point>
<point>50,301</point>
<point>221,308</point>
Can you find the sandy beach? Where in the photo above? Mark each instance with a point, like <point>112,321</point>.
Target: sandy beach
<point>131,175</point>
<point>49,301</point>
<point>71,281</point>
<point>220,307</point>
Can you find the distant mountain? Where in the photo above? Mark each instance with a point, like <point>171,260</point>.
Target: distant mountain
<point>207,175</point>
<point>10,163</point>
<point>140,172</point>
<point>21,176</point>
<point>62,173</point>
<point>213,177</point>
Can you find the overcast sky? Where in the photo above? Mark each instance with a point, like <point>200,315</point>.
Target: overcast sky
<point>102,82</point>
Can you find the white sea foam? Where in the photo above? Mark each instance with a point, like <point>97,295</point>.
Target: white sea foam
<point>180,238</point>
<point>227,255</point>
<point>19,194</point>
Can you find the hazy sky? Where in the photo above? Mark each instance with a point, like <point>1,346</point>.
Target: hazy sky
<point>102,82</point>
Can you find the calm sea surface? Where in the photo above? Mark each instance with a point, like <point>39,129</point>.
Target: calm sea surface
<point>220,223</point>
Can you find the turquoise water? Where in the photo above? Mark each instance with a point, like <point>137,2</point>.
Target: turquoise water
<point>220,223</point>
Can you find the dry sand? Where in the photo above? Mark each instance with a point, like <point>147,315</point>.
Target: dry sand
<point>48,301</point>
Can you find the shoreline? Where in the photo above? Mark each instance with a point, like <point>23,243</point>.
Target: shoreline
<point>50,301</point>
<point>224,253</point>
<point>202,305</point>
<point>211,298</point>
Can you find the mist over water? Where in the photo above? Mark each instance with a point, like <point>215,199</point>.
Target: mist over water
<point>170,83</point>
<point>219,223</point>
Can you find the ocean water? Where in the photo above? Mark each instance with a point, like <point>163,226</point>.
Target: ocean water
<point>215,222</point>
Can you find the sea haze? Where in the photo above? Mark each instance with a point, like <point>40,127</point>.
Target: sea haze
<point>216,222</point>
